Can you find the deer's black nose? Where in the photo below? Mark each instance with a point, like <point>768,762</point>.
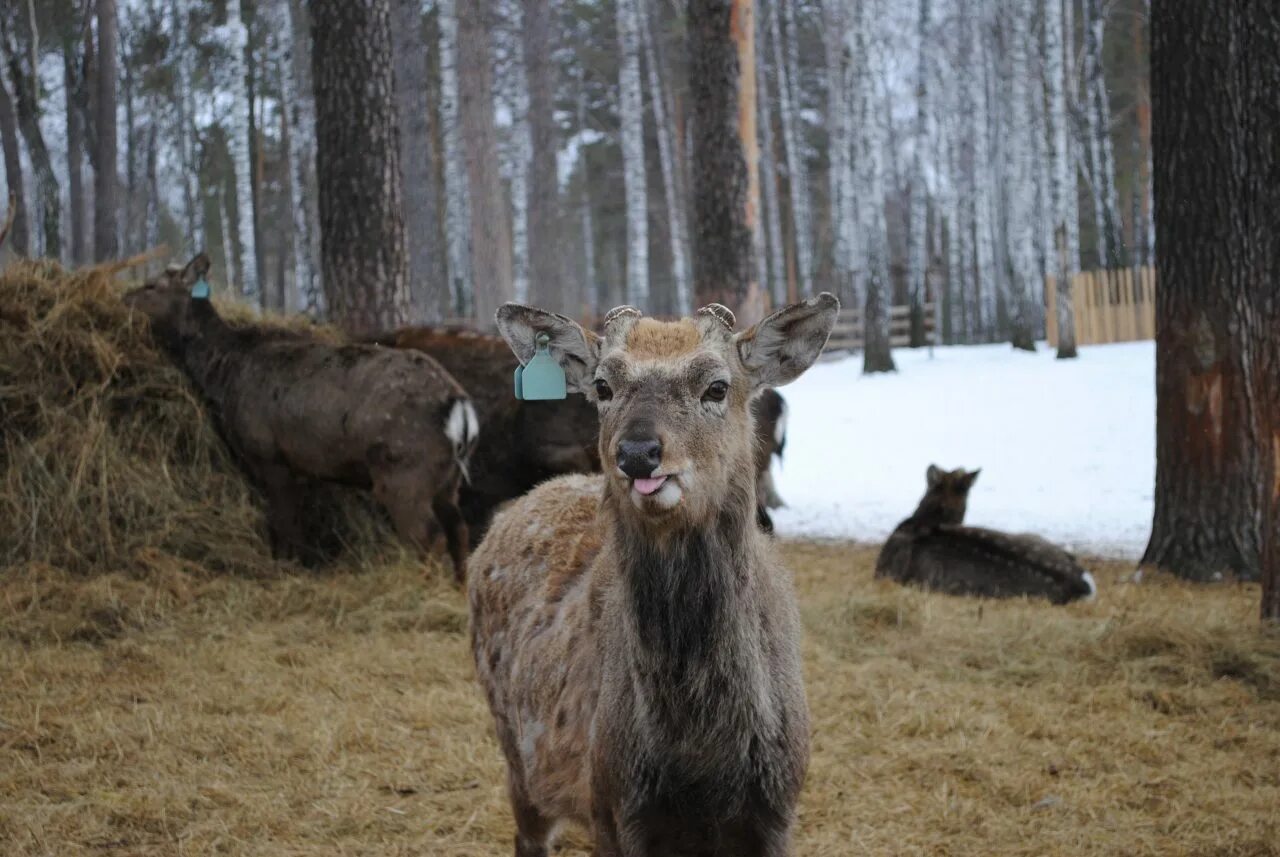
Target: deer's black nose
<point>639,458</point>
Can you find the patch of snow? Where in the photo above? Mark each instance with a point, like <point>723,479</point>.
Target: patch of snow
<point>1066,447</point>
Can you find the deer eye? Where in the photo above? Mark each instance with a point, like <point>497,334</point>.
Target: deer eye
<point>716,392</point>
<point>603,391</point>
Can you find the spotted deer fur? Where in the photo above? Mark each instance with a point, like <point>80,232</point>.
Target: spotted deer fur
<point>639,646</point>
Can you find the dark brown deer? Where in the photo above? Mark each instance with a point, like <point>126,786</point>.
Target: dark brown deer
<point>634,632</point>
<point>523,443</point>
<point>294,409</point>
<point>933,550</point>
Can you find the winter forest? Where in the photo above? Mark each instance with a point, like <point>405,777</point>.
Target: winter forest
<point>952,151</point>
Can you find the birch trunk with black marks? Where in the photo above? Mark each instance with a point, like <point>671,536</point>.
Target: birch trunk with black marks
<point>1102,167</point>
<point>20,50</point>
<point>428,288</point>
<point>919,201</point>
<point>358,165</point>
<point>546,277</point>
<point>981,193</point>
<point>514,85</point>
<point>786,67</point>
<point>106,181</point>
<point>19,238</point>
<point>672,187</point>
<point>1215,71</point>
<point>1025,283</point>
<point>73,96</point>
<point>877,355</point>
<point>304,195</point>
<point>836,23</point>
<point>456,185</point>
<point>238,132</point>
<point>490,222</point>
<point>631,115</point>
<point>1062,173</point>
<point>773,251</point>
<point>725,182</point>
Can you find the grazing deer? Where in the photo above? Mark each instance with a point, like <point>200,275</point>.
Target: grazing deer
<point>932,550</point>
<point>294,409</point>
<point>634,632</point>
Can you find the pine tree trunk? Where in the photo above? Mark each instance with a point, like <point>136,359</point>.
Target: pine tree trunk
<point>546,281</point>
<point>671,187</point>
<point>1215,72</point>
<point>19,239</point>
<point>106,182</point>
<point>786,69</point>
<point>238,135</point>
<point>456,184</point>
<point>490,225</point>
<point>304,195</point>
<point>1106,203</point>
<point>358,165</point>
<point>428,288</point>
<point>725,185</point>
<point>1062,175</point>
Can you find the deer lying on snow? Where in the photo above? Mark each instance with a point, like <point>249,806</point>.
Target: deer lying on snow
<point>295,409</point>
<point>526,442</point>
<point>932,549</point>
<point>634,632</point>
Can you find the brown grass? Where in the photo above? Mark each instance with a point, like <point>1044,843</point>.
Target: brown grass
<point>339,715</point>
<point>151,706</point>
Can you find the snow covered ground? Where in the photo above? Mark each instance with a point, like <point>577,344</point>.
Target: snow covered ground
<point>1067,448</point>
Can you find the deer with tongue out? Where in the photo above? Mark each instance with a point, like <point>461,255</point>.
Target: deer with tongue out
<point>634,633</point>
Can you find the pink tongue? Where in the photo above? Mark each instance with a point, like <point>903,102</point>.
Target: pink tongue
<point>648,486</point>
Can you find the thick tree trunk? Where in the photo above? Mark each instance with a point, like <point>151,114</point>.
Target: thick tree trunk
<point>725,187</point>
<point>631,113</point>
<point>19,237</point>
<point>428,287</point>
<point>358,165</point>
<point>1215,74</point>
<point>490,224</point>
<point>546,280</point>
<point>456,185</point>
<point>106,182</point>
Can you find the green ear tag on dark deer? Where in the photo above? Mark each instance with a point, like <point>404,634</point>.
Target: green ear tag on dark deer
<point>542,377</point>
<point>200,291</point>
<point>519,387</point>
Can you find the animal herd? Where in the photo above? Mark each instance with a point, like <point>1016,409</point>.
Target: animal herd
<point>633,630</point>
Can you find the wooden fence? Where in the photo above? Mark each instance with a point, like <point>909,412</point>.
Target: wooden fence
<point>1110,306</point>
<point>849,332</point>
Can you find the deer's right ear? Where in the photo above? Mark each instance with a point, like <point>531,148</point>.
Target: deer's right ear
<point>576,350</point>
<point>933,475</point>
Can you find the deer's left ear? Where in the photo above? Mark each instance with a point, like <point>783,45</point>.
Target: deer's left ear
<point>576,350</point>
<point>780,348</point>
<point>197,268</point>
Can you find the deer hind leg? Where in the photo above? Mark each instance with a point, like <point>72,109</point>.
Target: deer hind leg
<point>445,506</point>
<point>533,829</point>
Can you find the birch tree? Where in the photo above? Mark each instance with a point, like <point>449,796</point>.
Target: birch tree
<point>457,187</point>
<point>301,119</point>
<point>771,248</point>
<point>73,96</point>
<point>546,281</point>
<point>18,235</point>
<point>1062,176</point>
<point>1020,230</point>
<point>238,146</point>
<point>631,113</point>
<point>521,151</point>
<point>672,188</point>
<point>1102,168</point>
<point>106,181</point>
<point>877,355</point>
<point>919,212</point>
<point>786,67</point>
<point>980,192</point>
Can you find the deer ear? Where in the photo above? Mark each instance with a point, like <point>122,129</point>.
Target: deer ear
<point>780,348</point>
<point>575,349</point>
<point>196,269</point>
<point>933,475</point>
<point>970,478</point>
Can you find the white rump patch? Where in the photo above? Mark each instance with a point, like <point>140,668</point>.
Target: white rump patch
<point>1092,584</point>
<point>462,427</point>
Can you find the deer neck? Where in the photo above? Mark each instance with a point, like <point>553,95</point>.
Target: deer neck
<point>206,350</point>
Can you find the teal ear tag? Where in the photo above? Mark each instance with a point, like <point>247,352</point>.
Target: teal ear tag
<point>200,291</point>
<point>542,377</point>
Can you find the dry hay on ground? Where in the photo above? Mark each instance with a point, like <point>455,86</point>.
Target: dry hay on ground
<point>108,460</point>
<point>339,715</point>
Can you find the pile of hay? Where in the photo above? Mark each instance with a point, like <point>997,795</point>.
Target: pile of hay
<point>108,459</point>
